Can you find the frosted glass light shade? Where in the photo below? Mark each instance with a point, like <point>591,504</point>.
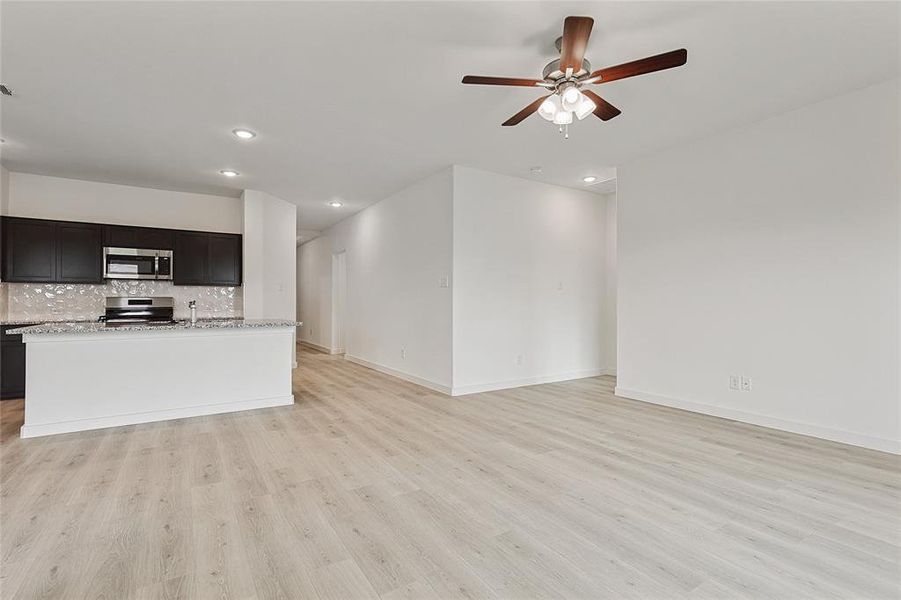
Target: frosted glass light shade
<point>585,108</point>
<point>549,108</point>
<point>571,99</point>
<point>563,117</point>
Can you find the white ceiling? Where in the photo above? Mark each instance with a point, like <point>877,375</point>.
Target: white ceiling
<point>356,100</point>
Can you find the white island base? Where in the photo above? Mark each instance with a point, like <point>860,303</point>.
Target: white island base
<point>80,381</point>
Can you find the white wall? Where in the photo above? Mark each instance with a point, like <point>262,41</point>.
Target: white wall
<point>270,249</point>
<point>4,210</point>
<point>314,292</point>
<point>771,252</point>
<point>504,245</point>
<point>4,191</point>
<point>529,282</point>
<point>397,252</point>
<point>610,282</point>
<point>42,197</point>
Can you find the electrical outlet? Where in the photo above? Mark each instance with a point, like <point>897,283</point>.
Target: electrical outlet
<point>734,382</point>
<point>519,359</point>
<point>403,353</point>
<point>443,282</point>
<point>745,384</point>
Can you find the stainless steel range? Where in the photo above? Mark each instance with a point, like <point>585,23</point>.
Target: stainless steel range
<point>128,311</point>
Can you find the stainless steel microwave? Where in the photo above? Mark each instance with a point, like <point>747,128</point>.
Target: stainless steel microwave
<point>136,263</point>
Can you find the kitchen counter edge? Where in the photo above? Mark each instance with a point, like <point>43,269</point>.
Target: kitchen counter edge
<point>93,327</point>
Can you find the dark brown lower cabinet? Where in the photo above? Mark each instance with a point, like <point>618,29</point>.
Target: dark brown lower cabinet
<point>12,364</point>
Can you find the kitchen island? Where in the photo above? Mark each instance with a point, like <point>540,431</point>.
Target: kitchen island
<point>82,376</point>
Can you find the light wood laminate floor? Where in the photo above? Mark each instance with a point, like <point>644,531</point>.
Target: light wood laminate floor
<point>371,487</point>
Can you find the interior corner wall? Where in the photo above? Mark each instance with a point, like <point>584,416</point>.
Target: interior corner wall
<point>529,291</point>
<point>270,250</point>
<point>770,252</point>
<point>610,284</point>
<point>398,253</point>
<point>315,292</point>
<point>4,210</point>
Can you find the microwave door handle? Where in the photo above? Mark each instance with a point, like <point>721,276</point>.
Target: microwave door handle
<point>156,267</point>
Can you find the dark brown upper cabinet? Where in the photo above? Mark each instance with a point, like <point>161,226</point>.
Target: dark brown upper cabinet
<point>29,250</point>
<point>191,258</point>
<point>225,259</point>
<point>207,258</point>
<point>126,236</point>
<point>38,251</point>
<point>42,251</point>
<point>79,253</point>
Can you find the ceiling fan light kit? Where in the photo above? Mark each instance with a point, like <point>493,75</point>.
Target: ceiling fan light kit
<point>568,76</point>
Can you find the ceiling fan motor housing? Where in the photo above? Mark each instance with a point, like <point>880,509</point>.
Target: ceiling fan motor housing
<point>552,70</point>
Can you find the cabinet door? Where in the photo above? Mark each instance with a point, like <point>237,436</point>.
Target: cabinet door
<point>150,238</point>
<point>191,258</point>
<point>155,239</point>
<point>12,370</point>
<point>120,236</point>
<point>29,250</point>
<point>79,252</point>
<point>225,259</point>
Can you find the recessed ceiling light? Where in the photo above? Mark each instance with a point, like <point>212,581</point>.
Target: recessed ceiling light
<point>535,171</point>
<point>335,204</point>
<point>589,179</point>
<point>229,173</point>
<point>244,134</point>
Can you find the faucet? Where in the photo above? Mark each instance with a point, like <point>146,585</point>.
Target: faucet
<point>193,306</point>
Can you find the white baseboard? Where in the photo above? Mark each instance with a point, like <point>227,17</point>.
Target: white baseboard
<point>35,430</point>
<point>399,374</point>
<point>826,433</point>
<point>515,383</point>
<point>321,348</point>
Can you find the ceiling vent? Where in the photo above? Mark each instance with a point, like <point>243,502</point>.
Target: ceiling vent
<point>5,90</point>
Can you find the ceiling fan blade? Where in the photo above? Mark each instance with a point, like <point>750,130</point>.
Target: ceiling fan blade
<point>667,60</point>
<point>521,115</point>
<point>479,80</point>
<point>604,111</point>
<point>576,31</point>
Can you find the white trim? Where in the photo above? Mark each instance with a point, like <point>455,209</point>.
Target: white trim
<point>826,433</point>
<point>318,347</point>
<point>515,383</point>
<point>400,374</point>
<point>35,430</point>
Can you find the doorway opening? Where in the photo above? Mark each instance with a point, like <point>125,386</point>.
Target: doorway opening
<point>339,302</point>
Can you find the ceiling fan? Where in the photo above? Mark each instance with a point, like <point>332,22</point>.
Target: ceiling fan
<point>568,75</point>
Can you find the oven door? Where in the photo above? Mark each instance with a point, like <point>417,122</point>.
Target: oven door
<point>130,263</point>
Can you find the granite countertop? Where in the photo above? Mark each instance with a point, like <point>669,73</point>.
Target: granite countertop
<point>76,327</point>
<point>24,322</point>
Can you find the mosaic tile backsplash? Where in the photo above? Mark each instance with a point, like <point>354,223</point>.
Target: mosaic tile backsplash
<point>85,302</point>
